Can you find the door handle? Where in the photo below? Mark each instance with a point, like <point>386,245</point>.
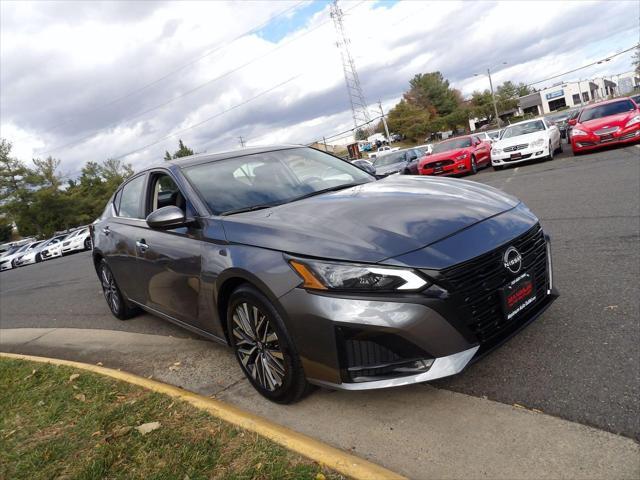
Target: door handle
<point>106,230</point>
<point>142,246</point>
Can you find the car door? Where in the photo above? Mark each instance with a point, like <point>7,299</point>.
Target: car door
<point>118,234</point>
<point>170,260</point>
<point>554,133</point>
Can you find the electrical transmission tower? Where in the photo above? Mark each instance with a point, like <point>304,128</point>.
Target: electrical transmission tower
<point>354,89</point>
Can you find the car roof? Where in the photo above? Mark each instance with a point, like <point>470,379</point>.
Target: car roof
<point>606,102</point>
<point>214,157</point>
<point>537,119</point>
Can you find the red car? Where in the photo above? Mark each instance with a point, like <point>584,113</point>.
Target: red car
<point>456,156</point>
<point>606,123</point>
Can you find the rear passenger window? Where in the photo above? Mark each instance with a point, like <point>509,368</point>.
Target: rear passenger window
<point>130,198</point>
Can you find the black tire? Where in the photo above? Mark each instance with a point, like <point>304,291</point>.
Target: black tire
<point>263,347</point>
<point>38,258</point>
<point>560,146</point>
<point>551,151</point>
<point>119,306</point>
<point>87,243</point>
<point>474,166</point>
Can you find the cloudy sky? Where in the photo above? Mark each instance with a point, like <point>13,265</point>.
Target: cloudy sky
<point>91,80</point>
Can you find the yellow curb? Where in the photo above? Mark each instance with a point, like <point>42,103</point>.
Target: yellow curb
<point>328,456</point>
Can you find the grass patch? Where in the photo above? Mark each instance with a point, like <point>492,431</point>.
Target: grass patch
<point>59,422</point>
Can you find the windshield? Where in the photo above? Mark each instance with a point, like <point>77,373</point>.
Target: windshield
<point>270,178</point>
<point>523,129</point>
<point>607,109</point>
<point>452,145</point>
<point>389,159</point>
<point>9,252</point>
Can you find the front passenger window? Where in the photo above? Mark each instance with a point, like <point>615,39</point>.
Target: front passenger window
<point>130,200</point>
<point>165,193</point>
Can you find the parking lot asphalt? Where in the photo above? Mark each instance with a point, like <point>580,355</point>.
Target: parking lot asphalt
<point>579,361</point>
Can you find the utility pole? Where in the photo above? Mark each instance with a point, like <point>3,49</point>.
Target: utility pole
<point>241,141</point>
<point>359,108</point>
<point>493,97</point>
<point>384,121</point>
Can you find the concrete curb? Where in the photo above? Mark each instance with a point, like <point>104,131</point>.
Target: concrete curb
<point>333,458</point>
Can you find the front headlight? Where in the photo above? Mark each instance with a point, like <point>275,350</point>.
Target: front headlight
<point>577,131</point>
<point>496,150</point>
<point>320,275</point>
<point>633,121</point>
<point>538,143</point>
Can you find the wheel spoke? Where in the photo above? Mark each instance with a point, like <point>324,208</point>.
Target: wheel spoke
<point>271,380</point>
<point>274,364</point>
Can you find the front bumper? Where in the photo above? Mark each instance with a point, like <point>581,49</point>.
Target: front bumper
<point>582,143</point>
<point>525,155</point>
<point>445,170</point>
<point>72,247</point>
<point>6,265</point>
<point>352,342</point>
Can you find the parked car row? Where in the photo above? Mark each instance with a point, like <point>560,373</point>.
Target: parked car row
<point>38,251</point>
<point>604,123</point>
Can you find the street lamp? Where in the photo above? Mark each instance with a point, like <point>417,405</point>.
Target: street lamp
<point>493,97</point>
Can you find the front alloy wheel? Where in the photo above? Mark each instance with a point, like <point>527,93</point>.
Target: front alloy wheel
<point>551,151</point>
<point>263,348</point>
<point>258,347</point>
<point>474,166</point>
<point>87,244</point>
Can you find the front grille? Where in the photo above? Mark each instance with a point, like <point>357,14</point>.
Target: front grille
<point>514,148</point>
<point>629,135</point>
<point>477,284</point>
<point>521,157</point>
<point>441,163</point>
<point>606,131</point>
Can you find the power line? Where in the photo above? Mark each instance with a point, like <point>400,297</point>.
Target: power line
<point>585,66</point>
<point>177,69</point>
<point>208,119</point>
<point>76,142</point>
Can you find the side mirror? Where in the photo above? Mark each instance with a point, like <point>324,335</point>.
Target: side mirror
<point>412,157</point>
<point>573,122</point>
<point>166,218</point>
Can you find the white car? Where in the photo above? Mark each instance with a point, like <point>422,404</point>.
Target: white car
<point>78,240</point>
<point>491,136</point>
<point>427,148</point>
<point>526,141</point>
<point>9,260</point>
<point>53,249</point>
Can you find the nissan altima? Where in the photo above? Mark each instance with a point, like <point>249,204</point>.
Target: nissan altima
<point>315,272</point>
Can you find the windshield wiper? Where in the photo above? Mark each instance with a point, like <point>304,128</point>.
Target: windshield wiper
<point>251,209</point>
<point>326,190</point>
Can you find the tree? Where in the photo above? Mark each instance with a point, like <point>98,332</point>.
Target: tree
<point>6,228</point>
<point>183,151</point>
<point>15,194</point>
<point>361,134</point>
<point>431,91</point>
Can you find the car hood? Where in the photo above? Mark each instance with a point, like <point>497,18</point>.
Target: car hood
<point>520,139</point>
<point>611,121</point>
<point>370,222</point>
<point>449,154</point>
<point>391,168</point>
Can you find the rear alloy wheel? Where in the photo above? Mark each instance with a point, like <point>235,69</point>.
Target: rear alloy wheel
<point>263,348</point>
<point>474,165</point>
<point>87,244</point>
<point>117,304</point>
